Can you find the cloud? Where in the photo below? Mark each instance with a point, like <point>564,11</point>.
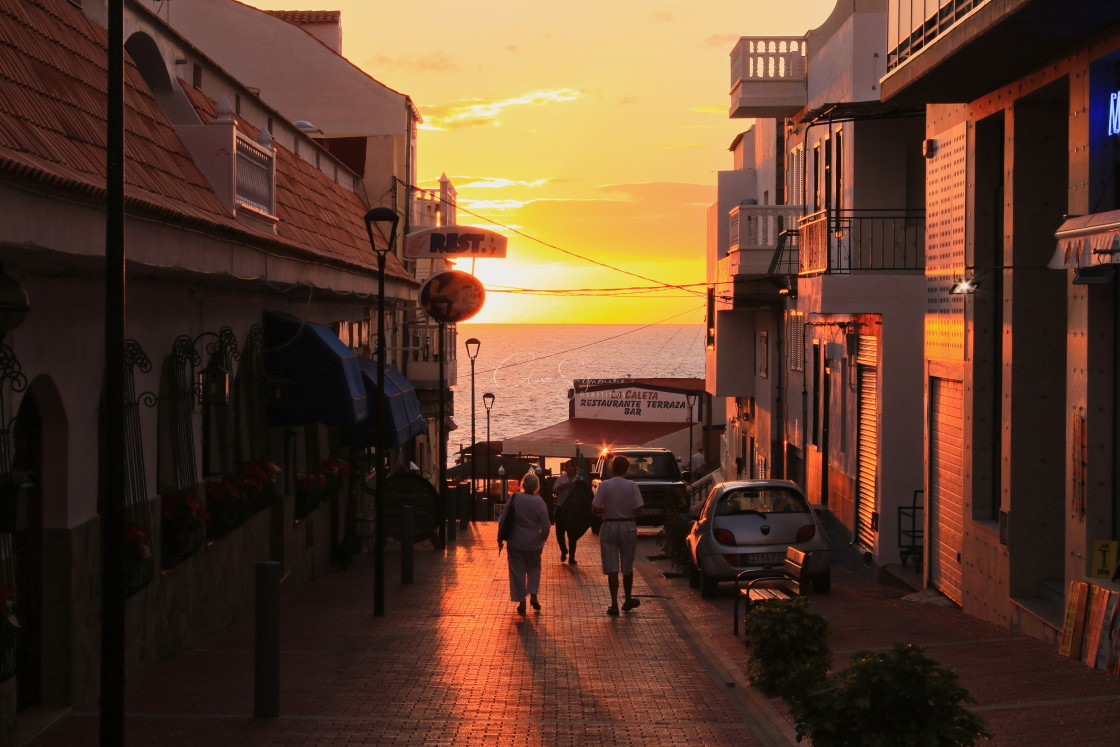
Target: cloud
<point>437,62</point>
<point>483,113</point>
<point>493,182</point>
<point>675,193</point>
<point>719,109</point>
<point>663,16</point>
<point>722,41</point>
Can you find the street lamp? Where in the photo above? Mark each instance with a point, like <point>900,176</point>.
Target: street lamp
<point>488,403</point>
<point>473,345</point>
<point>442,307</point>
<point>690,398</point>
<point>386,220</point>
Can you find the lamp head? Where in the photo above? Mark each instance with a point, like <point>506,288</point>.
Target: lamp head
<point>473,345</point>
<point>488,400</point>
<point>384,217</point>
<point>965,286</point>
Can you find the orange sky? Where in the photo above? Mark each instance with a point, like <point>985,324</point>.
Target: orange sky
<point>595,126</point>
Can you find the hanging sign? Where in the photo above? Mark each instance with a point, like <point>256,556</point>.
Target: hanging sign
<point>449,242</point>
<point>452,296</point>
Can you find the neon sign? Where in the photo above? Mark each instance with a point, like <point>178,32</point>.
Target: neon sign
<point>1114,114</point>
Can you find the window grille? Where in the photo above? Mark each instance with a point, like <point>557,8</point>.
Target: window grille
<point>12,381</point>
<point>763,354</point>
<point>250,400</point>
<point>797,341</point>
<point>255,176</point>
<point>139,562</point>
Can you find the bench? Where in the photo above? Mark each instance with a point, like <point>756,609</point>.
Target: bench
<point>791,581</point>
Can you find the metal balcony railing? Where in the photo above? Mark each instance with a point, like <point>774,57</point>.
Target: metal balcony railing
<point>256,176</point>
<point>842,242</point>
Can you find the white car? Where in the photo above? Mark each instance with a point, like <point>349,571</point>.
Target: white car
<point>747,525</point>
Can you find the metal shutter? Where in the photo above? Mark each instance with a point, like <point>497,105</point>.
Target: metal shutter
<point>867,489</point>
<point>946,486</point>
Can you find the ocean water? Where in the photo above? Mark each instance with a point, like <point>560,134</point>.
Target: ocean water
<point>530,368</point>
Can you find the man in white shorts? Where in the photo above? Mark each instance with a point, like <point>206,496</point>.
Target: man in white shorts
<point>619,502</point>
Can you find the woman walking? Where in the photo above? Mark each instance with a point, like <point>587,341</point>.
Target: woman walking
<point>526,541</point>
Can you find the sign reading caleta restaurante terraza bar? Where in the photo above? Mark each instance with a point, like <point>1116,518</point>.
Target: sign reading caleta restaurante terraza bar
<point>645,404</point>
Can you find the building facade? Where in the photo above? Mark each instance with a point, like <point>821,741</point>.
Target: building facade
<point>251,305</point>
<point>1020,358</point>
<point>816,332</point>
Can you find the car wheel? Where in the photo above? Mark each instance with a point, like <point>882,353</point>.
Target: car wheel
<point>822,582</point>
<point>708,586</point>
<point>693,575</point>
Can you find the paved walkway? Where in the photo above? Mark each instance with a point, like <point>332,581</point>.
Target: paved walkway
<point>451,663</point>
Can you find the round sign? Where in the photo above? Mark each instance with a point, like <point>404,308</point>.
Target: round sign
<point>408,492</point>
<point>452,296</point>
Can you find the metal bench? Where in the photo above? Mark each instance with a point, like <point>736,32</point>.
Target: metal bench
<point>792,581</point>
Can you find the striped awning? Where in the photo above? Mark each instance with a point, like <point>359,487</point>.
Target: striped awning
<point>1087,240</point>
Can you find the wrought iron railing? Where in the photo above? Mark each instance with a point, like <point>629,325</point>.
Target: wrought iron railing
<point>12,381</point>
<point>841,242</point>
<point>256,176</point>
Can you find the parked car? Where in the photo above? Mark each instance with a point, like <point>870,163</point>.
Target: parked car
<point>747,525</point>
<point>658,476</point>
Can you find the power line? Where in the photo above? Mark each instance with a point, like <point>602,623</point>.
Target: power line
<point>511,229</point>
<point>597,342</point>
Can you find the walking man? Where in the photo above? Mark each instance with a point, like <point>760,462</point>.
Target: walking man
<point>697,464</point>
<point>619,502</point>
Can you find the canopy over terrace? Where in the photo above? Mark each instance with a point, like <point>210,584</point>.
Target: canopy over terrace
<point>592,435</point>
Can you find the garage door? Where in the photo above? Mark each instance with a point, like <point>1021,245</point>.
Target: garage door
<point>946,486</point>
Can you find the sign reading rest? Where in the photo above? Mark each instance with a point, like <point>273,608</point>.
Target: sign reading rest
<point>448,242</point>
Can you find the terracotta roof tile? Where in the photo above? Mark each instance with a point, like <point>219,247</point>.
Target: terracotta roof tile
<point>307,16</point>
<point>52,131</point>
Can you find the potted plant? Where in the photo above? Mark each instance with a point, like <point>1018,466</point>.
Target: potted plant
<point>183,526</point>
<point>788,647</point>
<point>896,698</point>
<point>672,538</point>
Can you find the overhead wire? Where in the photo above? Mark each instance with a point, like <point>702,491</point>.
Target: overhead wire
<point>542,242</point>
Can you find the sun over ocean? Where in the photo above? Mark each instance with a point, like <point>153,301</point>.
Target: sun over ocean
<point>530,368</point>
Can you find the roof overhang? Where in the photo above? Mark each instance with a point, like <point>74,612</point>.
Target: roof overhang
<point>1087,240</point>
<point>590,436</point>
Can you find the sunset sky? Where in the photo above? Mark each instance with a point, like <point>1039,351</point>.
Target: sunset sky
<point>591,127</point>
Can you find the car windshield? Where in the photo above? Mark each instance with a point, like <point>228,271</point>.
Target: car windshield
<point>653,467</point>
<point>761,500</point>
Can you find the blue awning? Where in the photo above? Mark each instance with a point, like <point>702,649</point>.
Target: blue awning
<point>403,419</point>
<point>322,382</point>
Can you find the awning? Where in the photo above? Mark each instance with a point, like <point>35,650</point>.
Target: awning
<point>591,436</point>
<point>403,419</point>
<point>515,467</point>
<point>1087,240</point>
<point>318,379</point>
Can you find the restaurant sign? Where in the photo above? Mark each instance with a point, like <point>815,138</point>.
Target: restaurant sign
<point>632,403</point>
<point>451,242</point>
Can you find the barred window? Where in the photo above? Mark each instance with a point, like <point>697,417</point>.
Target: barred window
<point>763,354</point>
<point>797,341</point>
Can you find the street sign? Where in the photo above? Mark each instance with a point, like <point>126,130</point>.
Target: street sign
<point>451,242</point>
<point>452,296</point>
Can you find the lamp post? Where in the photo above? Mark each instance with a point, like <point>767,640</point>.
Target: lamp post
<point>442,308</point>
<point>690,398</point>
<point>488,403</point>
<point>386,219</point>
<point>473,345</point>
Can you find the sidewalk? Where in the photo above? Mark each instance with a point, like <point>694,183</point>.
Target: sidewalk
<point>451,663</point>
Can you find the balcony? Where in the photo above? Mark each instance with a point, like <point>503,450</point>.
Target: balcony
<point>256,176</point>
<point>421,352</point>
<point>848,241</point>
<point>754,235</point>
<point>768,77</point>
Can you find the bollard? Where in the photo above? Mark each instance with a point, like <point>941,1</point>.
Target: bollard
<point>464,493</point>
<point>266,695</point>
<point>448,496</point>
<point>408,529</point>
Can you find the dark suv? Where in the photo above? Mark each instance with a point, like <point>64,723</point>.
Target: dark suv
<point>658,476</point>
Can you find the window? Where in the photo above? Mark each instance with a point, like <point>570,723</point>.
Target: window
<point>763,354</point>
<point>797,341</point>
<point>711,317</point>
<point>817,166</point>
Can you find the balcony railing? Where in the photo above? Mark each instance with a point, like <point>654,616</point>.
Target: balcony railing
<point>256,176</point>
<point>768,76</point>
<point>862,240</point>
<point>754,235</point>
